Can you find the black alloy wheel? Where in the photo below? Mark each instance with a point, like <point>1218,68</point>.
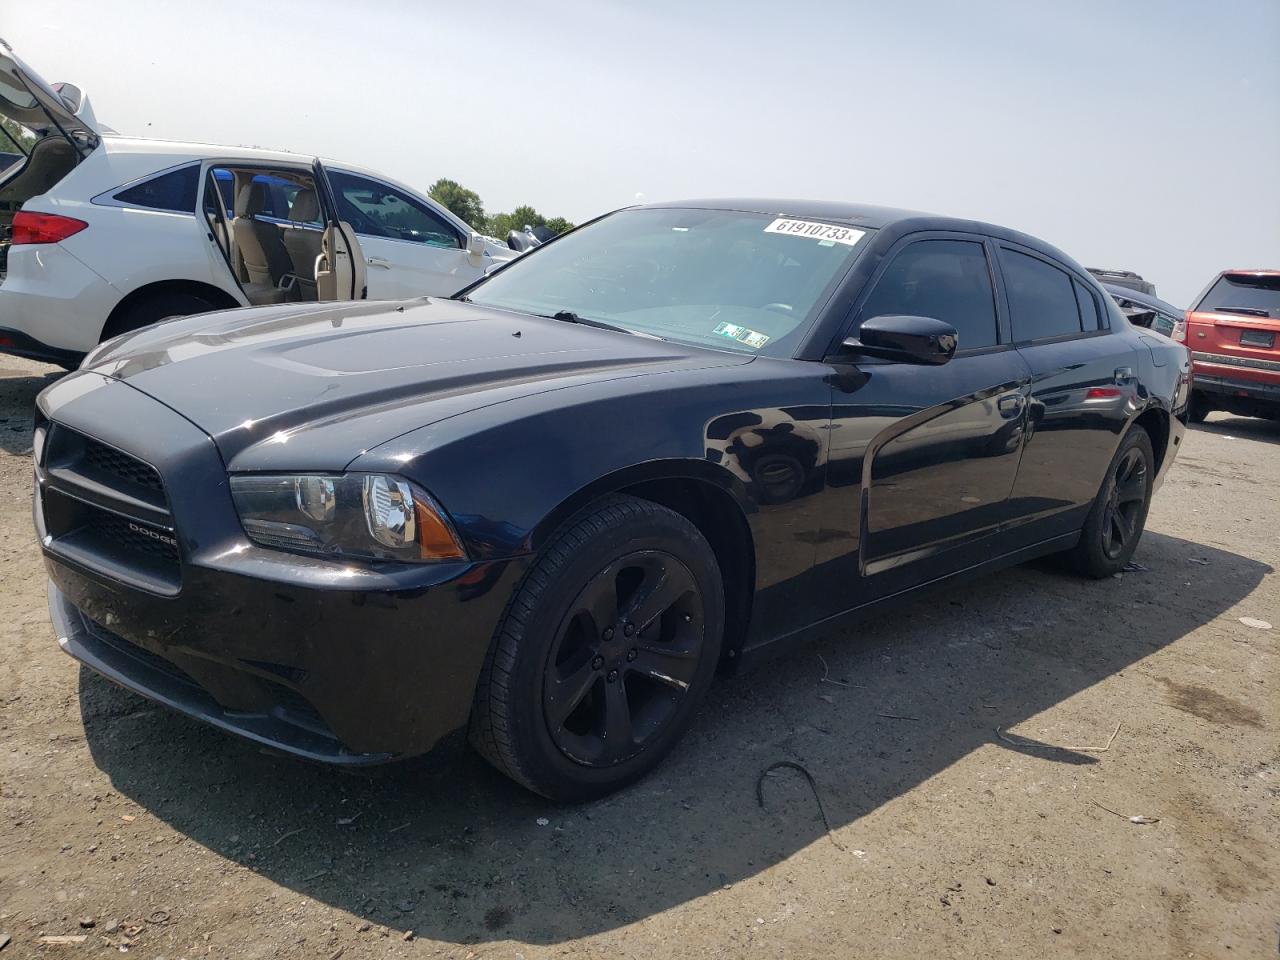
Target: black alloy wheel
<point>1126,502</point>
<point>604,652</point>
<point>624,658</point>
<point>1119,513</point>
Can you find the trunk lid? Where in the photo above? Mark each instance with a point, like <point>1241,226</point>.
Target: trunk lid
<point>45,109</point>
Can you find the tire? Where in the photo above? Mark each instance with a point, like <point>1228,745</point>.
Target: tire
<point>1199,407</point>
<point>1119,514</point>
<point>154,308</point>
<point>567,703</point>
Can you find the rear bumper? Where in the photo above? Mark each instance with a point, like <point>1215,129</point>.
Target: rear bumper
<point>1230,385</point>
<point>49,295</point>
<point>20,344</point>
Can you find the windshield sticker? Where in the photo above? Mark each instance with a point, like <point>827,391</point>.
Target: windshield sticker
<point>742,334</point>
<point>816,231</point>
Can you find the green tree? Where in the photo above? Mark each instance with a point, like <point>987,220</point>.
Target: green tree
<point>519,218</point>
<point>559,225</point>
<point>24,137</point>
<point>460,201</point>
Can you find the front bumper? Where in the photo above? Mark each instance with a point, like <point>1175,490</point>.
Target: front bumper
<point>344,663</point>
<point>346,677</point>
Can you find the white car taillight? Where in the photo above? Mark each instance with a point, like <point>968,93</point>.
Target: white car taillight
<point>31,227</point>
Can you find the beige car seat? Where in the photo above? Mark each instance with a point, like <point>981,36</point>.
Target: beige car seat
<point>263,259</point>
<point>304,238</point>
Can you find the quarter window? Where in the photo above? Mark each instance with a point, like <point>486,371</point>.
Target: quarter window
<point>377,210</point>
<point>1088,307</point>
<point>1041,299</point>
<point>944,279</point>
<point>174,191</point>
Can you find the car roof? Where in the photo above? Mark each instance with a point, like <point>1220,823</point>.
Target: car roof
<point>862,214</point>
<point>179,150</point>
<point>869,216</point>
<point>169,153</point>
<point>1146,300</point>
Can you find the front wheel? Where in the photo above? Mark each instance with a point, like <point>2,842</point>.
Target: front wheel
<point>604,652</point>
<point>1119,513</point>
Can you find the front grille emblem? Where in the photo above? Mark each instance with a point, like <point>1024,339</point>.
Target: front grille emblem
<point>153,534</point>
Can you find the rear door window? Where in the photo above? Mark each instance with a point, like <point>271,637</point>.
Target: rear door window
<point>1042,301</point>
<point>1088,308</point>
<point>175,191</point>
<point>948,280</point>
<point>225,183</point>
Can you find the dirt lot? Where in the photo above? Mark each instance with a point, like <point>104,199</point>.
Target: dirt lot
<point>948,839</point>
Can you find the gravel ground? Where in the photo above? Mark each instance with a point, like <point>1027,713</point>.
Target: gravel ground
<point>971,811</point>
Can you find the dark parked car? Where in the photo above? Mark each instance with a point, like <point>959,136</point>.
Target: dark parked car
<point>551,508</point>
<point>1152,313</point>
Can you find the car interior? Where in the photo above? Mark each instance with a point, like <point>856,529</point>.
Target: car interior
<point>51,159</point>
<point>271,229</point>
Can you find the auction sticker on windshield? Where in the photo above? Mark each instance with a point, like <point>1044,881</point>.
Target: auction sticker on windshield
<point>816,231</point>
<point>742,334</point>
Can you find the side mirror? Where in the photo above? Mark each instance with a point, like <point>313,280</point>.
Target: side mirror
<point>905,339</point>
<point>475,245</point>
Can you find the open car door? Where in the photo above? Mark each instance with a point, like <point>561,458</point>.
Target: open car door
<point>340,269</point>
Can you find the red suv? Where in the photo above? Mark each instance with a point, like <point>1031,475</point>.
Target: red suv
<point>1232,332</point>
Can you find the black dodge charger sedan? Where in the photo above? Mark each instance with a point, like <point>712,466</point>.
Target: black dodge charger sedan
<point>550,509</point>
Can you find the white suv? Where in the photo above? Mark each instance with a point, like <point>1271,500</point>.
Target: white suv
<point>101,234</point>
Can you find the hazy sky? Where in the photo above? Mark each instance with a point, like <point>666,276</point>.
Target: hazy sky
<point>1138,135</point>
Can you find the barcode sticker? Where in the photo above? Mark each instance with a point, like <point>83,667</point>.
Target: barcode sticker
<point>813,230</point>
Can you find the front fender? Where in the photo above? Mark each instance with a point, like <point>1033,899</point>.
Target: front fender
<point>632,475</point>
<point>510,473</point>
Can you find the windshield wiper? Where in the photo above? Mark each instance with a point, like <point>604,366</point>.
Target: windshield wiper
<point>568,316</point>
<point>1247,311</point>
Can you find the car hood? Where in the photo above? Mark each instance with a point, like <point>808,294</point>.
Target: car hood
<point>313,386</point>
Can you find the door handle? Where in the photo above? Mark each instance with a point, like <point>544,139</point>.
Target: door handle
<point>1011,404</point>
<point>379,262</point>
<point>1124,375</point>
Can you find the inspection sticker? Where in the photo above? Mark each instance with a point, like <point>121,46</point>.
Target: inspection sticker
<point>742,334</point>
<point>816,231</point>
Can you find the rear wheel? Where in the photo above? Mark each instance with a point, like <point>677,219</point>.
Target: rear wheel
<point>1119,513</point>
<point>604,652</point>
<point>1199,407</point>
<point>154,308</point>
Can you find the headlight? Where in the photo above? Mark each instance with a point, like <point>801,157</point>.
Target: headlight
<point>366,516</point>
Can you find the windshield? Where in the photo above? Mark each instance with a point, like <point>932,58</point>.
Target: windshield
<point>718,278</point>
<point>1244,292</point>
